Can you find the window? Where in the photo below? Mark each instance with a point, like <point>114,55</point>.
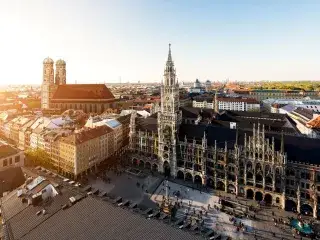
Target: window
<point>10,161</point>
<point>5,162</point>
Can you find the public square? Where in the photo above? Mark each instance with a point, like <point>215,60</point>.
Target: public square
<point>263,226</point>
<point>148,190</point>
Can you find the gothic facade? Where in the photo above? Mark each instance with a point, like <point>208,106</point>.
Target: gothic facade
<point>254,164</point>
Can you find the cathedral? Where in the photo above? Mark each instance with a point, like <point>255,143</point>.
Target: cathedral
<point>274,168</point>
<point>57,94</point>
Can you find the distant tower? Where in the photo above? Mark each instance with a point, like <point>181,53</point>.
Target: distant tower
<point>61,75</point>
<point>47,87</point>
<point>216,103</point>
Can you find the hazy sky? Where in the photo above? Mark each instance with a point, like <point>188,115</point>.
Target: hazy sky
<point>102,41</point>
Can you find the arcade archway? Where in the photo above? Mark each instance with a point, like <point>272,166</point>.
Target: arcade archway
<point>258,196</point>
<point>188,177</point>
<point>231,188</point>
<point>134,162</point>
<point>141,164</point>
<point>306,209</point>
<point>250,194</point>
<point>220,186</point>
<point>166,168</point>
<point>210,183</point>
<point>155,167</point>
<point>197,180</point>
<point>268,199</point>
<point>148,165</point>
<point>290,205</point>
<point>180,175</point>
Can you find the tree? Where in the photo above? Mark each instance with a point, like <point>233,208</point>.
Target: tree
<point>40,157</point>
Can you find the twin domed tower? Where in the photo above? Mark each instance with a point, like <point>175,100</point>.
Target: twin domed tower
<point>51,80</point>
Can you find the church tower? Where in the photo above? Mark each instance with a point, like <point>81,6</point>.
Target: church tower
<point>169,119</point>
<point>47,86</point>
<point>61,77</point>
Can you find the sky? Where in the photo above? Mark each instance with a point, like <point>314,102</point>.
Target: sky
<point>127,40</point>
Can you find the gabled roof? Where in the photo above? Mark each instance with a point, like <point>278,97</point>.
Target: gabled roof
<point>288,108</point>
<point>124,119</point>
<point>83,91</point>
<point>86,135</point>
<point>7,150</point>
<point>148,124</point>
<point>304,112</point>
<point>314,123</point>
<point>13,178</point>
<point>190,112</point>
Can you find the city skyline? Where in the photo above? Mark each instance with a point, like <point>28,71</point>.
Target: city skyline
<point>103,42</point>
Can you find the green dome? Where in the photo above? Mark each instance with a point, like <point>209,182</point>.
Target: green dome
<point>48,61</point>
<point>60,62</point>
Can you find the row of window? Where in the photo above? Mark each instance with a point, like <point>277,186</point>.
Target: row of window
<point>9,161</point>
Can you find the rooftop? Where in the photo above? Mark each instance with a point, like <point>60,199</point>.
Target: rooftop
<point>88,218</point>
<point>304,112</point>
<point>314,123</point>
<point>83,91</point>
<point>6,150</point>
<point>86,134</point>
<point>13,178</point>
<point>113,123</point>
<point>300,149</point>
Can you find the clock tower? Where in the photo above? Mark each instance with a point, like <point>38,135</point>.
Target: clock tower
<point>169,119</point>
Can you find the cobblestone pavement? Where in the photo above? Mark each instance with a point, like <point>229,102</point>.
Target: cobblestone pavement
<point>128,186</point>
<point>263,226</point>
<point>125,185</point>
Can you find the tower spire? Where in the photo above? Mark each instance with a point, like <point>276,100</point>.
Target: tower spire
<point>282,143</point>
<point>169,54</point>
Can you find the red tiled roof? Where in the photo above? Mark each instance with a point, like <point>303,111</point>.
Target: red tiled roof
<point>83,91</point>
<point>314,123</point>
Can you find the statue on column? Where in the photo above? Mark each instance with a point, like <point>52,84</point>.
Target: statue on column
<point>298,198</point>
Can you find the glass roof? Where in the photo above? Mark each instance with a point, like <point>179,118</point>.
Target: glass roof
<point>113,123</point>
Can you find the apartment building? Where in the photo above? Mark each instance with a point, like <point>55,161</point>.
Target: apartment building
<point>10,156</point>
<point>228,103</point>
<point>83,150</point>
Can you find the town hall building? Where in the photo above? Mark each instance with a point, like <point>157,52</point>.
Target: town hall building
<point>279,169</point>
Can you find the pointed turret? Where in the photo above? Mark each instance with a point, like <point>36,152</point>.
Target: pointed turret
<point>169,72</point>
<point>282,143</point>
<point>169,55</point>
<point>237,136</point>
